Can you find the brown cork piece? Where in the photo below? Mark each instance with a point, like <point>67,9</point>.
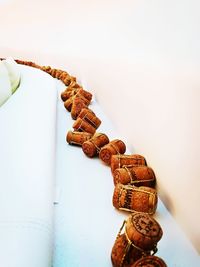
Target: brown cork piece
<point>73,90</point>
<point>83,126</point>
<point>135,175</point>
<point>78,97</point>
<point>68,103</point>
<point>121,256</point>
<point>77,105</point>
<point>92,147</point>
<point>112,148</point>
<point>74,85</point>
<point>68,93</point>
<point>143,230</point>
<point>149,261</point>
<point>84,96</point>
<point>89,116</point>
<point>137,238</point>
<point>77,138</point>
<point>131,198</point>
<point>118,161</point>
<point>65,78</point>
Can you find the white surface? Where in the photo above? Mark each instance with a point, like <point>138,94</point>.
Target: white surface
<point>27,156</point>
<point>86,224</point>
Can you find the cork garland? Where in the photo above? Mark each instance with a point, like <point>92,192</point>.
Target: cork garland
<point>131,175</point>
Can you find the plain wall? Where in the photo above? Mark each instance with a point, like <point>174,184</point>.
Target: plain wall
<point>142,61</point>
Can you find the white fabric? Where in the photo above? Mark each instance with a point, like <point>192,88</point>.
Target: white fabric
<point>27,156</point>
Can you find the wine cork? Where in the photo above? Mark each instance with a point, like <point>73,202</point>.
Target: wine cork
<point>112,148</point>
<point>143,230</point>
<point>85,94</point>
<point>68,103</point>
<point>64,77</point>
<point>74,85</point>
<point>131,198</point>
<point>118,161</point>
<point>149,261</point>
<point>123,254</point>
<point>58,74</point>
<point>140,238</point>
<point>83,126</point>
<point>74,99</point>
<point>135,175</point>
<point>92,147</point>
<point>77,106</point>
<point>68,93</point>
<point>89,116</point>
<point>77,138</point>
<point>75,88</point>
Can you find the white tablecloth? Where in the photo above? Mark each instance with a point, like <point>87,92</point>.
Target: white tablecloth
<point>27,172</point>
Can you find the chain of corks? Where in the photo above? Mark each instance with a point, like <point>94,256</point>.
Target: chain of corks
<point>129,169</point>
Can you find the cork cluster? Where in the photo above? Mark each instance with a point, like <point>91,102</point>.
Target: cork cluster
<point>134,181</point>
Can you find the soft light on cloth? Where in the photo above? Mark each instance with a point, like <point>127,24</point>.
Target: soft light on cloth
<point>27,156</point>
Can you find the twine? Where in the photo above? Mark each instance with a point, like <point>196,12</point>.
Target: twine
<point>89,120</point>
<point>79,128</point>
<point>115,148</point>
<point>130,243</point>
<point>132,181</point>
<point>97,148</point>
<point>92,141</point>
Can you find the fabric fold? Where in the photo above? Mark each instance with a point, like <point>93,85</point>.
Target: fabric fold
<point>27,158</point>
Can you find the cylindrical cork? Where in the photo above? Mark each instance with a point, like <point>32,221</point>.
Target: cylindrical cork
<point>118,161</point>
<point>56,73</point>
<point>73,85</point>
<point>82,94</point>
<point>71,91</point>
<point>74,100</point>
<point>85,94</point>
<point>68,103</point>
<point>92,147</point>
<point>68,93</point>
<point>135,175</point>
<point>77,106</point>
<point>77,138</point>
<point>123,254</point>
<point>66,78</point>
<point>83,126</point>
<point>132,198</point>
<point>143,230</point>
<point>138,237</point>
<point>114,147</point>
<point>89,116</point>
<point>149,261</point>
